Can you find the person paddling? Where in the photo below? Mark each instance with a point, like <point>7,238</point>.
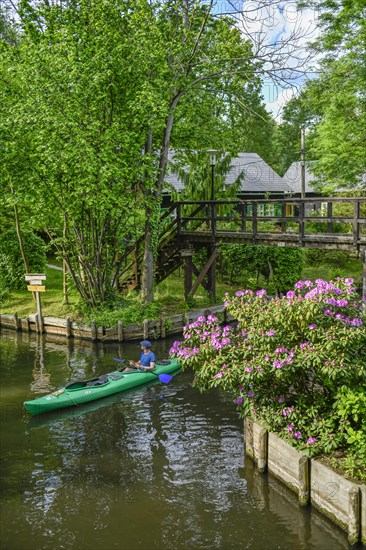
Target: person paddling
<point>147,358</point>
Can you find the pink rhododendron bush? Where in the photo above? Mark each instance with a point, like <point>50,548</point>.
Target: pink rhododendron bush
<point>297,364</point>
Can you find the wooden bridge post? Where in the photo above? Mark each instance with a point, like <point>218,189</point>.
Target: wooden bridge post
<point>301,223</point>
<point>283,215</point>
<point>187,264</point>
<point>243,217</point>
<point>329,215</point>
<point>211,275</point>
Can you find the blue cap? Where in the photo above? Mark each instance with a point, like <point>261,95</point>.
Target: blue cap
<point>146,344</point>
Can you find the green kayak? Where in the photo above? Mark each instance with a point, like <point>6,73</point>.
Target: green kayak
<point>84,391</point>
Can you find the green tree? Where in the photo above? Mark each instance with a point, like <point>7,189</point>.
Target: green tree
<point>98,87</point>
<point>338,94</point>
<point>74,128</point>
<point>94,93</point>
<point>11,265</point>
<point>297,114</point>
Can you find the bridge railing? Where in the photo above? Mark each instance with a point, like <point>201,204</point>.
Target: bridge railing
<point>303,217</point>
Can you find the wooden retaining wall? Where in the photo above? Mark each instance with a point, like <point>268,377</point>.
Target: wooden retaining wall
<point>161,328</point>
<point>340,499</point>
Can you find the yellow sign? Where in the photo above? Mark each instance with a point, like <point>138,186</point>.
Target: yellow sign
<point>36,288</point>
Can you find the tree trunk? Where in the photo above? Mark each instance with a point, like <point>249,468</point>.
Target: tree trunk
<point>147,293</point>
<point>147,290</point>
<point>64,270</point>
<point>147,282</point>
<point>20,240</point>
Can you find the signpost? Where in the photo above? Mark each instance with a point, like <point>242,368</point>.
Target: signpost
<point>35,284</point>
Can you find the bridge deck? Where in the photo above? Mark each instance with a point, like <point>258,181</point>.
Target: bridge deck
<point>315,240</point>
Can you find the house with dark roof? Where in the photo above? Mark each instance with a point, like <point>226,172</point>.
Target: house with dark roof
<point>258,179</point>
<point>292,178</point>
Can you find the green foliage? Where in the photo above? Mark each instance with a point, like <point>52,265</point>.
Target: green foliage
<point>336,97</point>
<point>296,364</point>
<point>317,256</point>
<point>83,153</point>
<point>281,267</point>
<point>196,175</point>
<point>297,114</point>
<point>12,269</point>
<point>4,289</point>
<point>129,313</point>
<point>350,412</point>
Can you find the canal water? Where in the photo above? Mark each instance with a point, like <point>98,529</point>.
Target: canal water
<point>159,467</point>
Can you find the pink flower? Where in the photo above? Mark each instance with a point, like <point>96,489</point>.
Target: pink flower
<point>261,293</point>
<point>297,434</point>
<point>311,440</point>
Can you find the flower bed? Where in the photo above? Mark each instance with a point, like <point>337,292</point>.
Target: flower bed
<point>297,364</point>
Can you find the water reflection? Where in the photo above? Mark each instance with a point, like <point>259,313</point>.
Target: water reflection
<point>158,467</point>
<point>41,379</point>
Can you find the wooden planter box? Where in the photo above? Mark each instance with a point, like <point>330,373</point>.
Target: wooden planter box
<point>340,499</point>
<point>363,514</point>
<point>290,466</point>
<point>256,441</point>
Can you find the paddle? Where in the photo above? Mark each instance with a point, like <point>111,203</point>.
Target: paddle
<point>165,378</point>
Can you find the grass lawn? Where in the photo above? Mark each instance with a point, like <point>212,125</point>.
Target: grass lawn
<point>169,296</point>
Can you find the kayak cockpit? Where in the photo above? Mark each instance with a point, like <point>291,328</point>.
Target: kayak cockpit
<point>95,382</point>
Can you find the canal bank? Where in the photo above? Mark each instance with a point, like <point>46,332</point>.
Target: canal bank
<point>159,468</point>
<point>157,329</point>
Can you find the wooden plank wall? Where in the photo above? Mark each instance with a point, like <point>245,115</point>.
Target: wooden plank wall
<point>160,328</point>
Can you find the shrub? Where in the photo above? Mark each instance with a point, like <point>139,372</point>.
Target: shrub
<point>290,362</point>
<point>318,256</point>
<point>129,314</point>
<point>12,269</point>
<point>281,267</point>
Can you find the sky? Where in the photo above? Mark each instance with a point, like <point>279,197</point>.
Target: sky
<point>280,33</point>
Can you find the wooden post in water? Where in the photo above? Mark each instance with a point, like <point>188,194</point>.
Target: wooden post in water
<point>146,328</point>
<point>93,329</point>
<point>120,331</point>
<point>68,327</point>
<point>39,312</point>
<point>162,327</point>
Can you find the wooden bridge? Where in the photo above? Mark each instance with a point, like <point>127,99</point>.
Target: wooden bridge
<point>328,223</point>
